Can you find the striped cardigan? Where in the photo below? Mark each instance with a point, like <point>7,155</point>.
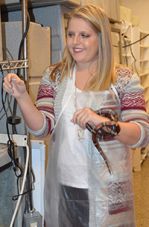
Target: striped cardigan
<point>127,88</point>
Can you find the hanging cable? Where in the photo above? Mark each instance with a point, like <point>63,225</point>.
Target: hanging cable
<point>10,144</point>
<point>130,44</point>
<point>22,188</point>
<point>14,119</point>
<point>16,167</point>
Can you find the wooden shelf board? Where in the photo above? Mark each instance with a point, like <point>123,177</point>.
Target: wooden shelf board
<point>15,4</point>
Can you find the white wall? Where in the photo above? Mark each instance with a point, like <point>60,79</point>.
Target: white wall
<point>140,8</point>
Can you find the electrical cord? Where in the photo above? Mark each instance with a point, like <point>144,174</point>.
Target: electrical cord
<point>16,167</point>
<point>130,44</point>
<point>14,119</point>
<point>23,37</point>
<point>22,188</point>
<point>125,46</point>
<point>10,144</point>
<point>125,36</point>
<point>30,171</point>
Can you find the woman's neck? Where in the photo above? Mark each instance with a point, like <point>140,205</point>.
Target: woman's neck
<point>82,78</point>
<point>84,75</point>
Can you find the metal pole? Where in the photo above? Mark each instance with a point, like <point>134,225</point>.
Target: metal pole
<point>24,23</point>
<point>29,199</point>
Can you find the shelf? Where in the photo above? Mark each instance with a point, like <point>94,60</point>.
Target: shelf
<point>11,65</point>
<point>144,74</point>
<point>144,32</point>
<point>144,46</point>
<point>126,55</point>
<point>144,60</point>
<point>15,4</point>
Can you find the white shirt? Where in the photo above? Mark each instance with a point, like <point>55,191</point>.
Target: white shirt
<point>72,161</point>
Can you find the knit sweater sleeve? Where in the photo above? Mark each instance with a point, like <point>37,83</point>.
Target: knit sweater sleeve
<point>133,108</point>
<point>45,103</point>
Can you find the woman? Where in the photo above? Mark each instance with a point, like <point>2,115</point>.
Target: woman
<point>95,113</point>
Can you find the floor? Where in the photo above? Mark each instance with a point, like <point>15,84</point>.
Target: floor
<point>141,190</point>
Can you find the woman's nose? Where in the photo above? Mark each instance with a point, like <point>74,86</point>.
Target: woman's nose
<point>76,39</point>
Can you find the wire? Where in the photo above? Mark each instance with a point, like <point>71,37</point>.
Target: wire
<point>15,197</point>
<point>10,144</point>
<point>3,104</point>
<point>18,71</point>
<point>22,188</point>
<point>21,47</point>
<point>24,36</point>
<point>130,44</point>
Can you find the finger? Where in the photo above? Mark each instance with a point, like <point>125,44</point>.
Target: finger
<point>75,115</point>
<point>11,76</point>
<point>17,82</point>
<point>86,116</point>
<point>81,119</point>
<point>84,120</point>
<point>81,115</point>
<point>8,80</point>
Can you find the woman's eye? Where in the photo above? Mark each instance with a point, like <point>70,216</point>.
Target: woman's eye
<point>85,35</point>
<point>69,34</point>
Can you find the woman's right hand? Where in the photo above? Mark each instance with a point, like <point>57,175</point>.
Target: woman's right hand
<point>14,85</point>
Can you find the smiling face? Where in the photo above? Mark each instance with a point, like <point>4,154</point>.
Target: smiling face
<point>82,41</point>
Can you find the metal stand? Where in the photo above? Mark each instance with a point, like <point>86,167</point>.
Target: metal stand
<point>22,64</point>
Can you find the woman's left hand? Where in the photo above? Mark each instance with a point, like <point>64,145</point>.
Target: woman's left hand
<point>87,115</point>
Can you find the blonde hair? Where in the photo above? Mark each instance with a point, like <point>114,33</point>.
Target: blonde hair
<point>98,20</point>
